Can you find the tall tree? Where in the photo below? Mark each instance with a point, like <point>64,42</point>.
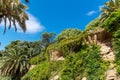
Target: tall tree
<point>14,12</point>
<point>47,38</point>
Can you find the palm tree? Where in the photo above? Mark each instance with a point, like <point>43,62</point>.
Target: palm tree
<point>16,64</point>
<point>108,8</point>
<point>13,11</point>
<point>27,1</point>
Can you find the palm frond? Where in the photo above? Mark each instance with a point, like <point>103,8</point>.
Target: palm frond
<point>27,1</point>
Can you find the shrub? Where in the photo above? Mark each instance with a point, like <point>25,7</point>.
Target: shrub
<point>40,72</point>
<point>37,59</point>
<point>44,71</point>
<point>87,62</point>
<point>112,23</point>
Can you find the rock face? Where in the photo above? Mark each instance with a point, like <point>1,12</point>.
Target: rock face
<point>102,38</point>
<point>111,74</point>
<point>97,36</point>
<point>108,55</point>
<point>104,49</point>
<point>55,78</point>
<point>84,78</point>
<point>56,55</point>
<point>31,67</point>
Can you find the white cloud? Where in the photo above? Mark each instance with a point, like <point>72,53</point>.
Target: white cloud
<point>90,13</point>
<point>33,25</point>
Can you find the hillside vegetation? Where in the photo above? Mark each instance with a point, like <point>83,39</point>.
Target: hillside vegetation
<point>89,54</point>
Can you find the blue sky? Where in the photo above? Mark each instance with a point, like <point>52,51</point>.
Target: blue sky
<point>53,16</point>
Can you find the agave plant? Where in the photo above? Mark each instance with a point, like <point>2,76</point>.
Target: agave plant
<point>14,12</point>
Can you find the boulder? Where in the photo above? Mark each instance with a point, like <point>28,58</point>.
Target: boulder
<point>111,75</point>
<point>84,78</point>
<point>56,55</point>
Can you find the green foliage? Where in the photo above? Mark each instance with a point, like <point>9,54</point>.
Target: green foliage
<point>44,71</point>
<point>116,45</point>
<point>56,68</point>
<point>93,25</point>
<point>5,78</point>
<point>112,23</point>
<point>16,57</point>
<point>40,72</point>
<point>86,62</point>
<point>30,48</point>
<point>15,64</point>
<point>37,59</point>
<point>116,48</point>
<point>68,33</point>
<point>68,45</point>
<point>118,69</point>
<point>71,44</point>
<point>109,7</point>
